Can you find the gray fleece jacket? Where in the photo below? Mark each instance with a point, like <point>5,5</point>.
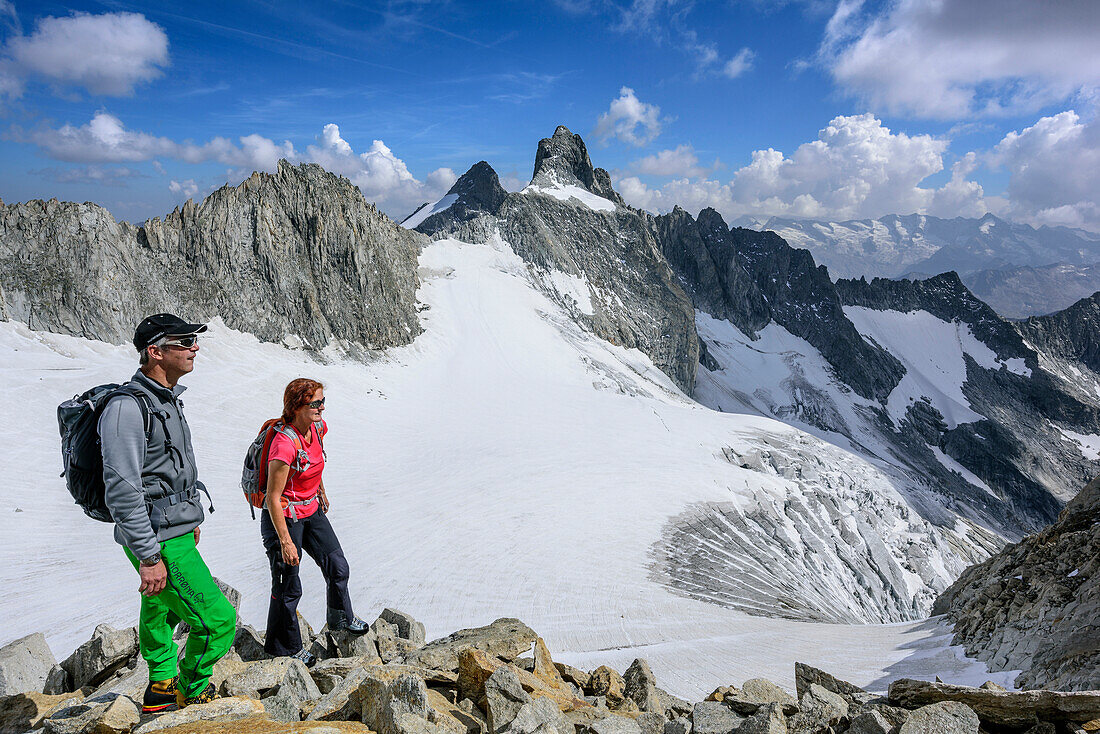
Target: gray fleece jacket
<point>151,490</point>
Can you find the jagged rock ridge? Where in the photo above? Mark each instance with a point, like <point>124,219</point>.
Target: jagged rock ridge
<point>1035,606</point>
<point>298,253</point>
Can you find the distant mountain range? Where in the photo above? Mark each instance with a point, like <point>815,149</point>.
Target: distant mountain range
<point>1017,269</point>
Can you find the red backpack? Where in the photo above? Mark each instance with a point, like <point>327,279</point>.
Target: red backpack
<point>254,476</point>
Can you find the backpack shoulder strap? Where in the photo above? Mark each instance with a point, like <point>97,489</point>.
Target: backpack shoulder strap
<point>144,404</point>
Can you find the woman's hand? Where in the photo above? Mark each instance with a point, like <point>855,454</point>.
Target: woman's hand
<point>322,498</point>
<point>290,552</point>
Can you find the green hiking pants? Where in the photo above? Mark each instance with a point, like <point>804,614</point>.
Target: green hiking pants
<point>190,596</point>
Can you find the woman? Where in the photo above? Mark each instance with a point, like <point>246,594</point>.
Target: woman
<point>296,520</point>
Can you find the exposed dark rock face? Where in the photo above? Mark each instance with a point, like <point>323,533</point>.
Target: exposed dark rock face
<point>563,158</point>
<point>1072,334</point>
<point>478,192</point>
<point>1035,606</point>
<point>634,299</point>
<point>298,252</point>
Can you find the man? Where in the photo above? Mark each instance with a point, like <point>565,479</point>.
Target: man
<point>152,492</point>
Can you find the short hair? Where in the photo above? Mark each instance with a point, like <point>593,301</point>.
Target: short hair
<point>297,394</point>
<point>143,357</point>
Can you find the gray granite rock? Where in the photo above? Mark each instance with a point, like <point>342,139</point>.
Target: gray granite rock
<point>712,717</point>
<point>98,658</point>
<point>542,716</point>
<point>341,701</point>
<point>768,719</point>
<point>224,710</point>
<point>504,697</point>
<point>295,688</point>
<point>257,678</point>
<point>407,627</point>
<point>25,665</point>
<point>505,638</point>
<point>103,715</point>
<point>301,237</point>
<point>1016,709</point>
<point>948,717</point>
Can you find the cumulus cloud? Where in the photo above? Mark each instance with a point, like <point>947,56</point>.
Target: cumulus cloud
<point>856,168</point>
<point>184,189</point>
<point>105,139</point>
<point>106,54</point>
<point>680,161</point>
<point>380,175</point>
<point>949,59</point>
<point>739,64</point>
<point>629,119</point>
<point>1054,171</point>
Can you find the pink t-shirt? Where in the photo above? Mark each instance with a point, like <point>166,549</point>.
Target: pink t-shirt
<point>300,486</point>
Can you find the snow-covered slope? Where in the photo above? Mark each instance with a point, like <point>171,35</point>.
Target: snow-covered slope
<point>508,463</point>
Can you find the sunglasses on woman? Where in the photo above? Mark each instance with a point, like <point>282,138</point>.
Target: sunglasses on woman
<point>315,404</point>
<point>183,342</point>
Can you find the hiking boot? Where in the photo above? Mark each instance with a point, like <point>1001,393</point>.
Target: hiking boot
<point>207,695</point>
<point>338,621</point>
<point>305,656</point>
<point>160,696</point>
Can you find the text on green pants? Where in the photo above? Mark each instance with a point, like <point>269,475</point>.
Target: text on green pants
<point>190,596</point>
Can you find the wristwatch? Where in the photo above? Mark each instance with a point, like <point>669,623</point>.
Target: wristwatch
<point>151,560</point>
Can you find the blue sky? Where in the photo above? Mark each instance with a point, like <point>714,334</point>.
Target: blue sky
<point>820,108</point>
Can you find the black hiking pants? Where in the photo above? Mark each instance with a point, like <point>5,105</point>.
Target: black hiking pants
<point>315,536</point>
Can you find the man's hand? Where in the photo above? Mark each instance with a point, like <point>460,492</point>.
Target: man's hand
<point>196,536</point>
<point>153,578</point>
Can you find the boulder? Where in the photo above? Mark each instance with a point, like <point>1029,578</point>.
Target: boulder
<point>612,725</point>
<point>505,638</point>
<point>504,697</point>
<point>576,676</point>
<point>768,719</point>
<point>395,702</point>
<point>341,702</point>
<point>1017,709</point>
<point>640,686</point>
<point>806,675</point>
<point>382,628</point>
<point>257,678</point>
<point>541,716</point>
<point>870,722</point>
<point>712,717</point>
<point>544,669</point>
<point>469,716</point>
<point>758,692</point>
<point>651,722</point>
<point>103,715</point>
<point>107,651</point>
<point>407,627</point>
<point>679,725</point>
<point>22,711</point>
<point>947,717</point>
<point>249,644</point>
<point>25,665</point>
<point>57,681</point>
<point>476,666</point>
<point>327,674</point>
<point>347,645</point>
<point>819,709</point>
<point>129,681</point>
<point>221,709</point>
<point>394,649</point>
<point>295,688</point>
<point>606,682</point>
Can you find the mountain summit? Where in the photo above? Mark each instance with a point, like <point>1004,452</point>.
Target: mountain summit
<point>563,159</point>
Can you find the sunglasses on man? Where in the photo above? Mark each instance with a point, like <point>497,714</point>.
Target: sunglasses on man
<point>183,342</point>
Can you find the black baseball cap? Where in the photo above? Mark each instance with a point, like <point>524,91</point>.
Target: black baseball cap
<point>163,324</point>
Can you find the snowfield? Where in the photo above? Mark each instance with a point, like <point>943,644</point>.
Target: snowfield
<point>504,464</point>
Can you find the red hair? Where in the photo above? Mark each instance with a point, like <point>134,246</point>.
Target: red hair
<point>298,393</point>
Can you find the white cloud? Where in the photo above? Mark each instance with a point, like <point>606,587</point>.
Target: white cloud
<point>739,64</point>
<point>1054,171</point>
<point>950,59</point>
<point>680,161</point>
<point>380,175</point>
<point>856,168</point>
<point>105,139</point>
<point>106,54</point>
<point>629,119</point>
<point>9,18</point>
<point>186,189</point>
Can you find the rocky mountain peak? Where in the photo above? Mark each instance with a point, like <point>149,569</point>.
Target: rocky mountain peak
<point>479,188</point>
<point>563,159</point>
